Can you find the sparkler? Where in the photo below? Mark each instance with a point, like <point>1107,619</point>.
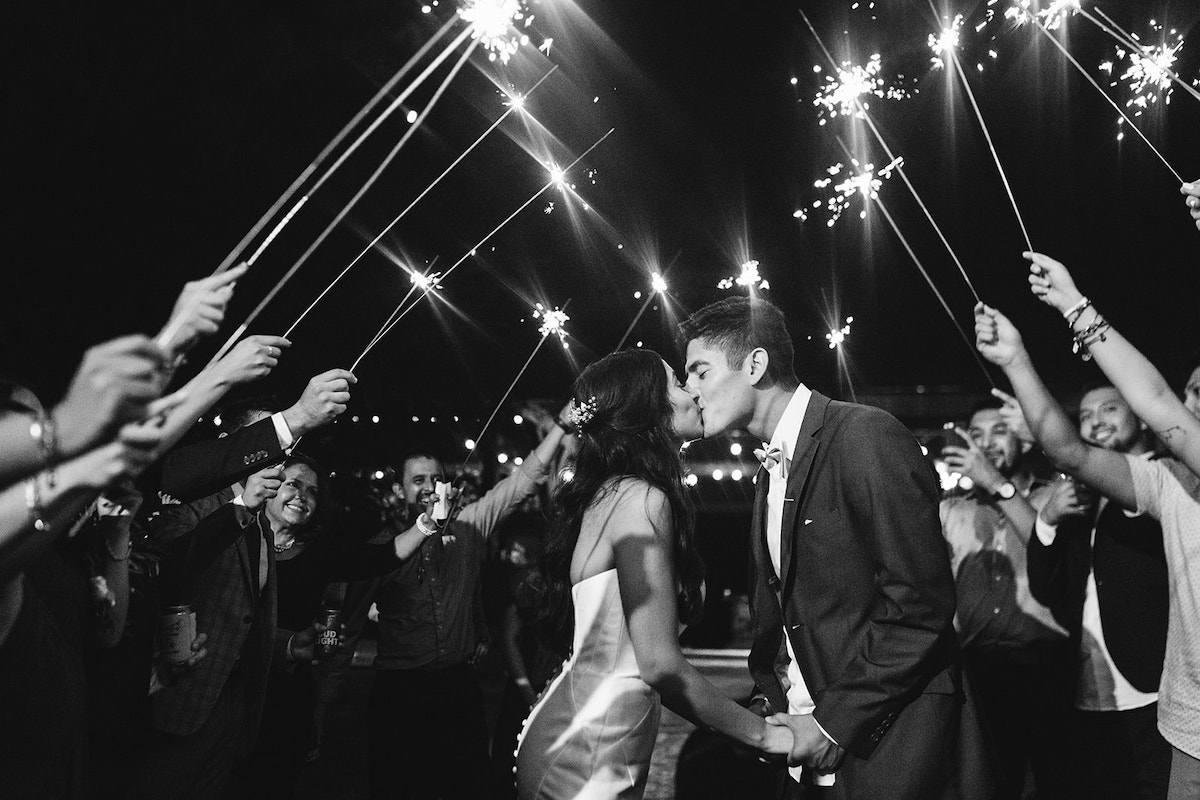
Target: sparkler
<point>947,45</point>
<point>546,331</point>
<point>925,274</point>
<point>659,284</point>
<point>836,336</point>
<point>1149,73</point>
<point>845,94</point>
<point>516,103</point>
<point>491,24</point>
<point>865,183</point>
<point>237,334</point>
<point>290,192</point>
<point>1161,64</point>
<point>748,277</point>
<point>553,320</point>
<point>866,117</point>
<point>1111,102</point>
<point>945,42</point>
<point>401,314</point>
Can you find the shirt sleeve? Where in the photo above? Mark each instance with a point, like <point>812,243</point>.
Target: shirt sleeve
<point>282,431</point>
<point>1148,477</point>
<point>491,509</point>
<point>1046,532</point>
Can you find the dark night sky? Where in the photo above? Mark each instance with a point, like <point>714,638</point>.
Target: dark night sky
<point>150,136</point>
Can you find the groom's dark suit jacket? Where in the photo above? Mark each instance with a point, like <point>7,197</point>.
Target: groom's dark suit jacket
<point>867,599</point>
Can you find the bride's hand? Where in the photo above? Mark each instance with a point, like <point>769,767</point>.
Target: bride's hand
<point>777,739</point>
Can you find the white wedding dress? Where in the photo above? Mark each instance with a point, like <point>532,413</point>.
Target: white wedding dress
<point>591,734</point>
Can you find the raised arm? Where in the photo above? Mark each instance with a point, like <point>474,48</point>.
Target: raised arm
<point>639,532</point>
<point>1138,381</point>
<point>999,341</point>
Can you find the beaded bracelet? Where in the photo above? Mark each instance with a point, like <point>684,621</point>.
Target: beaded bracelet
<point>427,531</point>
<point>1096,332</point>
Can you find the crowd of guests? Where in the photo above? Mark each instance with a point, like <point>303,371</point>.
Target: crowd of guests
<point>1078,607</point>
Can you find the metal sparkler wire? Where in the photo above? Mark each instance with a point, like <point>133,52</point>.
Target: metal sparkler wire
<point>1126,39</point>
<point>480,243</point>
<point>962,77</point>
<point>862,110</point>
<point>237,334</point>
<point>970,344</point>
<point>329,148</point>
<point>1104,94</point>
<point>416,200</point>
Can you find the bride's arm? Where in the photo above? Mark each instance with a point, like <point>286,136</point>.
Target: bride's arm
<point>641,540</point>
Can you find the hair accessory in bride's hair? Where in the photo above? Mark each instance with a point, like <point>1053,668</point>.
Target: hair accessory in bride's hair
<point>580,414</point>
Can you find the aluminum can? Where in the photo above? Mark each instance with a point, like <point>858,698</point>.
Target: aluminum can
<point>327,640</point>
<point>176,631</point>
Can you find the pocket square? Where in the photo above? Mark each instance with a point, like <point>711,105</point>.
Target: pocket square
<point>808,522</point>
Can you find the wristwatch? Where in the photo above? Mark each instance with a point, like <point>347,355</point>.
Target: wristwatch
<point>1006,491</point>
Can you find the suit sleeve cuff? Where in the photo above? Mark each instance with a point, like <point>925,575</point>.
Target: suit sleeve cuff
<point>825,732</point>
<point>1046,532</point>
<point>282,431</point>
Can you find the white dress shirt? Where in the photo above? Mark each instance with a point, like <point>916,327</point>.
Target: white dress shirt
<point>787,431</point>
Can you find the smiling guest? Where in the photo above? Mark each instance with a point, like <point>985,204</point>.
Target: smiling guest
<point>1102,569</point>
<point>307,559</point>
<point>1016,654</point>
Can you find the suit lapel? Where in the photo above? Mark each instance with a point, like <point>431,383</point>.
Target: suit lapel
<point>798,469</point>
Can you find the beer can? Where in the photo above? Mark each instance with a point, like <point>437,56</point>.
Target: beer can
<point>176,631</point>
<point>327,640</point>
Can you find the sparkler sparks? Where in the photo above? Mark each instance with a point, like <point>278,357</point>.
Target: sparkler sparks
<point>945,42</point>
<point>1149,75</point>
<point>492,22</point>
<point>838,335</point>
<point>846,93</point>
<point>553,321</point>
<point>427,282</point>
<point>658,282</point>
<point>748,277</point>
<point>866,182</point>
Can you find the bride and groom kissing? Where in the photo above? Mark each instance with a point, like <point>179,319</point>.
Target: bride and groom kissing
<point>852,601</point>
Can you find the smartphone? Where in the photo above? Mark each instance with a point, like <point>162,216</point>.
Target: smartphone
<point>441,508</point>
<point>950,437</point>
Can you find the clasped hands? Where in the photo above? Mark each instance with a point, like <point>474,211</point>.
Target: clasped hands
<point>803,742</point>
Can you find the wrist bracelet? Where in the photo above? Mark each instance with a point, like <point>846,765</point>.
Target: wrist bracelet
<point>33,502</point>
<point>1073,313</point>
<point>45,433</point>
<point>426,530</point>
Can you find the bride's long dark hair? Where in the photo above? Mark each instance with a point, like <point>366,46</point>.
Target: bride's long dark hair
<point>630,435</point>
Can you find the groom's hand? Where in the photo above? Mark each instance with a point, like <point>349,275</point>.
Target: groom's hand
<point>810,747</point>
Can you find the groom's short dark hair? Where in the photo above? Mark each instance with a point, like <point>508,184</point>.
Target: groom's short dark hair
<point>737,325</point>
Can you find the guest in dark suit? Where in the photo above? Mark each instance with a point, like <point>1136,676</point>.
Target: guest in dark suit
<point>1102,570</point>
<point>851,594</point>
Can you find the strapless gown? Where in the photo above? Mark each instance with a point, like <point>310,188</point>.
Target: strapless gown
<point>591,734</point>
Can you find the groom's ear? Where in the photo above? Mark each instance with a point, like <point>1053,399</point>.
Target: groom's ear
<point>756,365</point>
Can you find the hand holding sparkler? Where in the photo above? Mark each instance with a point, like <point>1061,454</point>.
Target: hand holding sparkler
<point>324,398</point>
<point>251,359</point>
<point>1192,190</point>
<point>116,383</point>
<point>199,310</point>
<point>1052,283</point>
<point>996,338</point>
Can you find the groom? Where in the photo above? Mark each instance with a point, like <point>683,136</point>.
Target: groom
<point>851,595</point>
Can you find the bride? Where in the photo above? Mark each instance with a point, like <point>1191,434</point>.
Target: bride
<point>621,562</point>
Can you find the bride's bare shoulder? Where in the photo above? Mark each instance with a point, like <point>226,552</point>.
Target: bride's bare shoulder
<point>629,505</point>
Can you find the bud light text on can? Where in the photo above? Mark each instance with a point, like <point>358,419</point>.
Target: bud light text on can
<point>327,640</point>
<point>176,631</point>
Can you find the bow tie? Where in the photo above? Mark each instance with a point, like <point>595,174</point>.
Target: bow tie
<point>770,457</point>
